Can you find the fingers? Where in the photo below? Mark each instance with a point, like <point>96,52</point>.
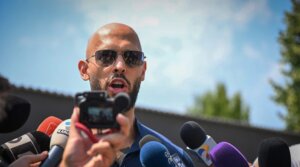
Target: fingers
<point>120,139</point>
<point>99,148</point>
<point>103,154</point>
<point>38,157</point>
<point>124,124</point>
<point>74,118</point>
<point>29,160</point>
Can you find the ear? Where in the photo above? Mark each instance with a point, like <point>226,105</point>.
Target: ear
<point>82,67</point>
<point>144,70</point>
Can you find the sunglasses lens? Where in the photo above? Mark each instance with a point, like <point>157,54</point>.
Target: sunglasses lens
<point>107,57</point>
<point>134,58</point>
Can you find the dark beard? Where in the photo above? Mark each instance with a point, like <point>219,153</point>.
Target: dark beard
<point>94,83</point>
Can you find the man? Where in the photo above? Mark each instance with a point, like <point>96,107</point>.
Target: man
<point>115,63</point>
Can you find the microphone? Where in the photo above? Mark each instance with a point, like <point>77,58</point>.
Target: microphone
<point>14,112</point>
<point>49,125</point>
<point>29,143</point>
<point>295,155</point>
<point>196,140</point>
<point>57,144</point>
<point>224,155</point>
<point>154,154</point>
<point>274,152</point>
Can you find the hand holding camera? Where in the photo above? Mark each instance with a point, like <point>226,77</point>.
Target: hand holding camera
<point>97,110</point>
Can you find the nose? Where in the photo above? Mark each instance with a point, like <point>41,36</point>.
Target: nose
<point>120,66</point>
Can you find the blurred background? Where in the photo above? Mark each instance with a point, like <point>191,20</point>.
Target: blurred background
<point>220,53</point>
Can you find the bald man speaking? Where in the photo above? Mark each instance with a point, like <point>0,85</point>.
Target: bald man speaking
<point>114,63</point>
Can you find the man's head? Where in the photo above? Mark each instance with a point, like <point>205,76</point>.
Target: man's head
<point>114,61</point>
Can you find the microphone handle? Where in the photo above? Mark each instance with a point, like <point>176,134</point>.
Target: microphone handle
<point>54,157</point>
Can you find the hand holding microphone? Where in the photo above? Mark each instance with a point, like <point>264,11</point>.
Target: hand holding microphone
<point>57,144</point>
<point>31,147</point>
<point>29,143</point>
<point>29,160</point>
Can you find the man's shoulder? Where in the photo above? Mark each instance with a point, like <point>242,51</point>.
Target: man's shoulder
<point>174,150</point>
<point>164,140</point>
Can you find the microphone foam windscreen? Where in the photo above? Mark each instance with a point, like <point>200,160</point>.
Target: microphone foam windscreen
<point>49,125</point>
<point>295,155</point>
<point>192,134</point>
<point>146,139</point>
<point>224,155</point>
<point>274,152</point>
<point>42,140</point>
<point>29,143</point>
<point>154,154</point>
<point>16,112</point>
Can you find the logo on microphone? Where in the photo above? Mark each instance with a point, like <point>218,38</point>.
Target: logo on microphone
<point>177,161</point>
<point>203,151</point>
<point>68,124</point>
<point>63,132</point>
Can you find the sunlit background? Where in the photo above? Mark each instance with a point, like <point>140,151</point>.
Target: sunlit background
<point>190,47</point>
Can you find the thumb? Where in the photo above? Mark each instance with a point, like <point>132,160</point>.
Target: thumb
<point>37,157</point>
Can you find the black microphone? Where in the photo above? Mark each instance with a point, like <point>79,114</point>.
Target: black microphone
<point>14,111</point>
<point>274,152</point>
<point>196,140</point>
<point>57,144</point>
<point>29,143</point>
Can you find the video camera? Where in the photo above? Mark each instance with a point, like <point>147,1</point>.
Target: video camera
<point>97,110</point>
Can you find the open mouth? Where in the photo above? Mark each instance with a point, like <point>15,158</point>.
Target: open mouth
<point>118,85</point>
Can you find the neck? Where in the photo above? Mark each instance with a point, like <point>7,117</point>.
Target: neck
<point>132,133</point>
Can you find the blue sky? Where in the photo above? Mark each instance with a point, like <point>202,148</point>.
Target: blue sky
<point>190,47</point>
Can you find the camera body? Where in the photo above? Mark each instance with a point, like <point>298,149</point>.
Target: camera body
<point>97,110</point>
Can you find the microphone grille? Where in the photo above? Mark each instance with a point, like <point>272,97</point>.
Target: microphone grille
<point>16,110</point>
<point>42,140</point>
<point>274,152</point>
<point>49,125</point>
<point>155,154</point>
<point>224,154</point>
<point>192,134</point>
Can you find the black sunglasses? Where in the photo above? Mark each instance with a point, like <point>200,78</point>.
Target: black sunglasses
<point>131,58</point>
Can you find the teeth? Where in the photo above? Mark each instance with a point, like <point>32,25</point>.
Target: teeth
<point>118,82</point>
<point>117,85</point>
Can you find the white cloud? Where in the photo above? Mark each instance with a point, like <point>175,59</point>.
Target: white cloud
<point>184,40</point>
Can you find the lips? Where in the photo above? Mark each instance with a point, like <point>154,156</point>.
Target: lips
<point>117,85</point>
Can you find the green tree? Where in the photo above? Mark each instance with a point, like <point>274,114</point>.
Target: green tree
<point>288,94</point>
<point>218,104</point>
